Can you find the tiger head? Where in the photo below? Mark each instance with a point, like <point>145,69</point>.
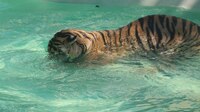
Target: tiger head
<point>70,43</point>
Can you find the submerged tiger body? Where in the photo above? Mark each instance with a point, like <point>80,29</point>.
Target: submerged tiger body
<point>151,33</point>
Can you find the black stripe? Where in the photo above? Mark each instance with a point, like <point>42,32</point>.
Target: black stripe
<point>115,39</point>
<point>167,24</point>
<point>159,36</point>
<point>120,36</point>
<point>149,40</point>
<point>196,31</point>
<point>183,25</point>
<point>151,23</point>
<point>131,41</point>
<point>199,29</point>
<point>141,20</point>
<point>84,35</point>
<point>112,36</point>
<point>93,35</point>
<point>171,31</point>
<point>196,34</point>
<point>138,38</point>
<point>191,25</point>
<point>109,36</point>
<point>108,33</point>
<point>161,19</point>
<point>127,34</point>
<point>174,19</point>
<point>103,37</point>
<point>52,47</point>
<point>56,42</point>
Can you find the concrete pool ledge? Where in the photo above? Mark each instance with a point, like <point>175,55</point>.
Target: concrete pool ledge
<point>186,4</point>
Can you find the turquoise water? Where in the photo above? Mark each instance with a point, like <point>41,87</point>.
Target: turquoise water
<point>30,82</point>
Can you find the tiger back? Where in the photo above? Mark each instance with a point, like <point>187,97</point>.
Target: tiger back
<point>153,32</point>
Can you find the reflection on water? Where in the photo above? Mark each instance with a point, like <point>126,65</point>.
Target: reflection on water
<point>140,82</point>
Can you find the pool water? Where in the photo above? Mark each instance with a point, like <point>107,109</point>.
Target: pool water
<point>30,82</point>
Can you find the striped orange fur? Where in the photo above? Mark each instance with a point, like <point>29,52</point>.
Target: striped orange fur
<point>150,33</point>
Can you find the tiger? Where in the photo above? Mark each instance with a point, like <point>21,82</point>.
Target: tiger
<point>152,33</point>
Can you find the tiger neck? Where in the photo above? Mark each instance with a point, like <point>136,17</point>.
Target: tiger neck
<point>112,40</point>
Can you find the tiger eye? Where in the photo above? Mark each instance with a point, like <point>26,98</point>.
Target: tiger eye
<point>70,38</point>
